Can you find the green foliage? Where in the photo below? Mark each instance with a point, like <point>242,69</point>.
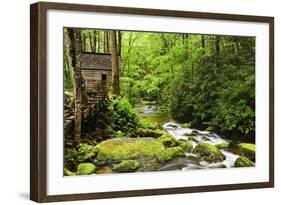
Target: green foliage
<point>123,114</point>
<point>204,80</point>
<point>83,153</point>
<point>146,124</point>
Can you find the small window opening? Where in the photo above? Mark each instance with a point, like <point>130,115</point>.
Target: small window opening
<point>103,76</point>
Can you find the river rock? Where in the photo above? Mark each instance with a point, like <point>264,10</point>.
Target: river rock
<point>208,152</point>
<point>67,172</point>
<point>142,132</point>
<point>248,150</point>
<point>243,162</point>
<point>175,164</point>
<point>186,146</point>
<point>191,138</point>
<point>170,153</point>
<point>104,170</point>
<point>127,166</point>
<point>168,141</point>
<point>210,128</point>
<point>223,145</point>
<point>86,168</point>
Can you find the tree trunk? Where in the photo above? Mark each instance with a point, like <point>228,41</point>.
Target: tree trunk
<point>104,42</point>
<point>107,42</point>
<point>237,59</point>
<point>91,41</point>
<point>203,44</point>
<point>217,46</point>
<point>83,36</point>
<point>114,61</point>
<point>98,42</point>
<point>95,42</point>
<point>68,57</point>
<point>119,42</point>
<point>217,50</point>
<point>75,52</point>
<point>217,53</point>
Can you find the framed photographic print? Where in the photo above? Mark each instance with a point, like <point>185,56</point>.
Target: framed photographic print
<point>134,102</point>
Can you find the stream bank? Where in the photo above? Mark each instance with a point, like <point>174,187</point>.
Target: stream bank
<point>161,144</point>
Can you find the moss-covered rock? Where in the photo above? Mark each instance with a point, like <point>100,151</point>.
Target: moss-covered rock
<point>127,166</point>
<point>149,132</point>
<point>186,125</point>
<point>208,152</point>
<point>204,138</point>
<point>186,146</point>
<point>210,128</point>
<point>248,150</point>
<point>192,138</point>
<point>223,145</point>
<point>146,124</point>
<point>168,141</point>
<point>86,168</point>
<point>120,149</point>
<point>66,172</point>
<point>170,153</point>
<point>243,162</point>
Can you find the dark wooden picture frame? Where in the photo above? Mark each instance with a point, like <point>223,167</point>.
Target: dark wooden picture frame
<point>38,100</point>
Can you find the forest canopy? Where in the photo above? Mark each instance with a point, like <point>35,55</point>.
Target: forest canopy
<point>205,80</point>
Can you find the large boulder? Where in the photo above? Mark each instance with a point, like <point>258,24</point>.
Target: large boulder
<point>248,150</point>
<point>120,149</point>
<point>86,168</point>
<point>243,162</point>
<point>127,166</point>
<point>208,152</point>
<point>170,153</point>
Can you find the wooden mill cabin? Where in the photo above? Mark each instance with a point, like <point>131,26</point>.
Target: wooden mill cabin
<point>96,69</point>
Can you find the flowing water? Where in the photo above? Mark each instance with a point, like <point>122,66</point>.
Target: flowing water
<point>172,128</point>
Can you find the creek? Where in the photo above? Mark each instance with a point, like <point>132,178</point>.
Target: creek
<point>153,114</point>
